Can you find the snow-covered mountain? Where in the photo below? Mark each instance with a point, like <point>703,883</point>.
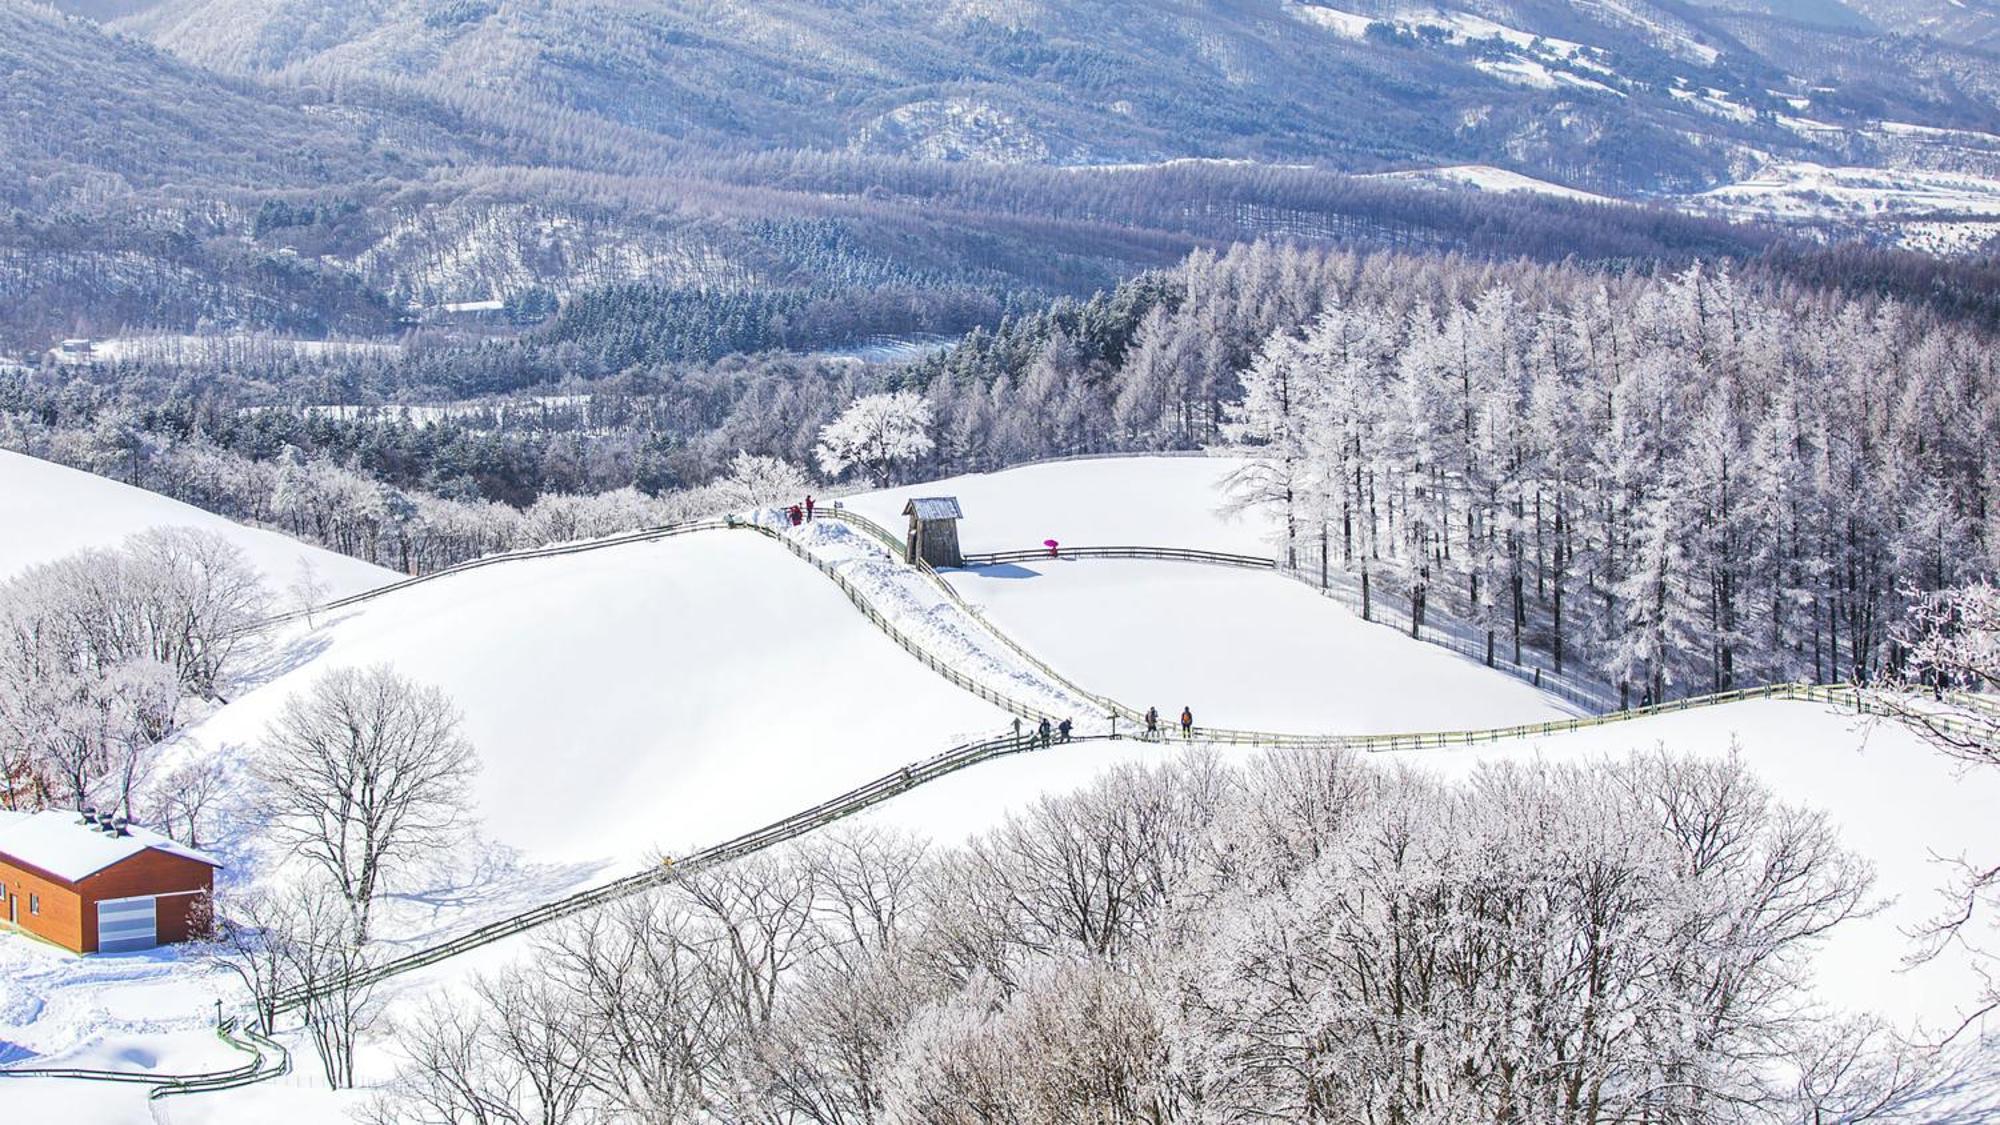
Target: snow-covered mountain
<point>348,169</point>
<point>1633,96</point>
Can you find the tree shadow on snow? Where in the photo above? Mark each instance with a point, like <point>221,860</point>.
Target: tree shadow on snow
<point>1004,570</point>
<point>272,661</point>
<point>483,884</point>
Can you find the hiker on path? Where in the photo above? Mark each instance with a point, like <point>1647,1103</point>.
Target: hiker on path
<point>1187,723</point>
<point>809,507</point>
<point>1043,731</point>
<point>1064,728</point>
<point>798,517</point>
<point>1152,724</point>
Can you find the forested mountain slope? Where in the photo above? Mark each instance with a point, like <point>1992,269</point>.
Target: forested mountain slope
<point>202,165</point>
<point>1357,85</point>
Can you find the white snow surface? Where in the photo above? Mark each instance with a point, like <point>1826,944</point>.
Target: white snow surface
<point>1244,649</point>
<point>1485,177</point>
<point>48,511</point>
<point>1093,502</point>
<point>616,695</point>
<point>669,694</point>
<point>58,842</point>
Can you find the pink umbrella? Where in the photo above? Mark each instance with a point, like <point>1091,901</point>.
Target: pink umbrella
<point>1051,545</point>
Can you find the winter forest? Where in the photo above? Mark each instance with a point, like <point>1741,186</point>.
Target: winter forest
<point>1662,484</point>
<point>1310,937</point>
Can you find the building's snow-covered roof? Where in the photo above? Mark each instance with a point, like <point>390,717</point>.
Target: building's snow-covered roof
<point>934,508</point>
<point>59,842</point>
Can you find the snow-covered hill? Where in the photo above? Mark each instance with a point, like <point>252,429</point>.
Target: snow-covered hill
<point>645,696</point>
<point>1243,649</point>
<point>48,511</point>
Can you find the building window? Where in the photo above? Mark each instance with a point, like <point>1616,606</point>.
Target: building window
<point>34,904</point>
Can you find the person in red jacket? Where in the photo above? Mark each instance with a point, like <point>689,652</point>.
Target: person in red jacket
<point>1187,723</point>
<point>798,516</point>
<point>809,507</point>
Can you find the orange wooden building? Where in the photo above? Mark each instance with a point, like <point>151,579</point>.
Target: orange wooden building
<point>97,884</point>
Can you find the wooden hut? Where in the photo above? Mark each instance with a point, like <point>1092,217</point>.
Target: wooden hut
<point>933,531</point>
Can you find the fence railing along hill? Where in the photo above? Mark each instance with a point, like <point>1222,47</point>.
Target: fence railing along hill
<point>970,754</point>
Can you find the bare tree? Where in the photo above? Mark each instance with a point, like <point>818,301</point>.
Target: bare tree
<point>365,770</point>
<point>198,597</point>
<point>247,928</point>
<point>307,590</point>
<point>184,800</point>
<point>514,1056</point>
<point>324,946</point>
<point>661,1030</point>
<point>303,940</point>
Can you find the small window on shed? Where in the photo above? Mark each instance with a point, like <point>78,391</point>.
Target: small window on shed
<point>34,904</point>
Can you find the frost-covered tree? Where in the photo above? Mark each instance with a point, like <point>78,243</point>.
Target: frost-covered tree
<point>99,651</point>
<point>876,433</point>
<point>756,482</point>
<point>303,939</point>
<point>1946,687</point>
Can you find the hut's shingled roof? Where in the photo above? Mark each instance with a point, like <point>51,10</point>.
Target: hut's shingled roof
<point>934,508</point>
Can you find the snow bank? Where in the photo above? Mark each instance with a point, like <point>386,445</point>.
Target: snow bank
<point>49,511</point>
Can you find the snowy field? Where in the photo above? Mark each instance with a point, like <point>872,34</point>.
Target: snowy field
<point>1485,177</point>
<point>48,511</point>
<point>1097,502</point>
<point>643,698</point>
<point>613,694</point>
<point>1245,649</point>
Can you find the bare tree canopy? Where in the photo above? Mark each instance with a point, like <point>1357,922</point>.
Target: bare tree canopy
<point>365,771</point>
<point>1310,938</point>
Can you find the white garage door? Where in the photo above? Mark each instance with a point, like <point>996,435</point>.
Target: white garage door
<point>126,923</point>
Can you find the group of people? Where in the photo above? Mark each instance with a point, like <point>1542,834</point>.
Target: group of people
<point>801,513</point>
<point>1153,723</point>
<point>1049,734</point>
